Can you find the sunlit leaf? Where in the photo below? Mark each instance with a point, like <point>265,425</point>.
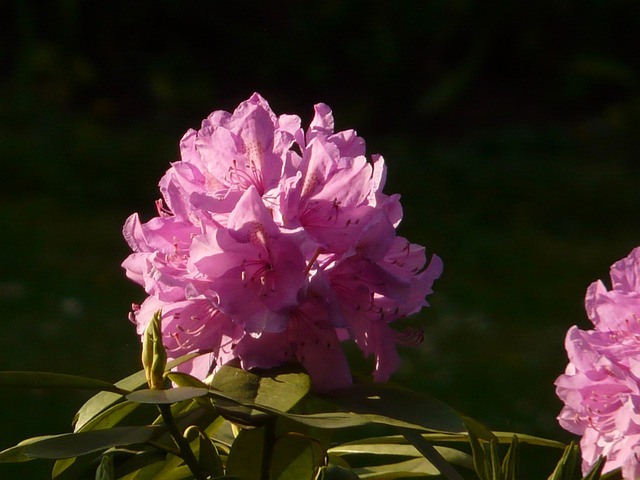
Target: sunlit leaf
<point>141,465</point>
<point>148,472</point>
<point>481,459</point>
<point>510,462</point>
<point>402,449</point>
<point>336,472</point>
<point>208,456</point>
<point>503,437</point>
<point>104,400</point>
<point>105,470</point>
<point>409,468</point>
<point>179,473</point>
<point>170,395</point>
<point>496,471</point>
<point>110,417</point>
<point>478,430</point>
<point>56,380</point>
<point>245,457</point>
<point>568,465</point>
<point>400,404</point>
<point>16,453</point>
<point>76,444</point>
<point>279,390</point>
<point>596,469</point>
<point>429,452</point>
<point>295,457</point>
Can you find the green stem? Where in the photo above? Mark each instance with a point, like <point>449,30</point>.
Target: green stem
<point>185,450</point>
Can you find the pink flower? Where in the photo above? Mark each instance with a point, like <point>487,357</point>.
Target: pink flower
<point>601,384</point>
<point>274,246</point>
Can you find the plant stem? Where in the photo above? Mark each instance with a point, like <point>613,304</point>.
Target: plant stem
<point>183,445</point>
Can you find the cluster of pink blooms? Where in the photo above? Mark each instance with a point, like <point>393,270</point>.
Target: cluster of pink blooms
<point>601,385</point>
<point>273,245</point>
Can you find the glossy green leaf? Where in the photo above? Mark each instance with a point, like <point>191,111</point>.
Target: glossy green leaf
<point>170,395</point>
<point>76,444</point>
<point>295,457</point>
<point>208,456</point>
<point>481,460</point>
<point>182,379</point>
<point>336,472</point>
<point>104,400</point>
<point>409,468</point>
<point>496,470</point>
<point>140,465</point>
<point>510,462</point>
<point>503,437</point>
<point>478,430</point>
<point>110,417</point>
<point>56,380</point>
<point>61,465</point>
<point>178,473</point>
<point>279,390</point>
<point>404,405</point>
<point>148,472</point>
<point>245,457</point>
<point>431,454</point>
<point>105,470</point>
<point>568,465</point>
<point>452,455</point>
<point>16,454</point>
<point>596,469</point>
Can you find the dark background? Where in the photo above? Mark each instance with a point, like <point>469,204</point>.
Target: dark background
<point>509,128</point>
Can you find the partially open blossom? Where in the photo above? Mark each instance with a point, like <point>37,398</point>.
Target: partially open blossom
<point>601,384</point>
<point>273,245</point>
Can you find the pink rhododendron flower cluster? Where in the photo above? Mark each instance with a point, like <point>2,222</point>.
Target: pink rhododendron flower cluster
<point>273,245</point>
<point>601,385</point>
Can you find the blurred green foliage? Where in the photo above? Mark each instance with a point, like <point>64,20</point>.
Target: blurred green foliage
<point>510,129</point>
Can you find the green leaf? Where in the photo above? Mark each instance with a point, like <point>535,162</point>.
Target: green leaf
<point>596,469</point>
<point>75,444</point>
<point>503,437</point>
<point>56,380</point>
<point>568,465</point>
<point>431,454</point>
<point>110,417</point>
<point>73,468</point>
<point>451,455</point>
<point>16,454</point>
<point>409,468</point>
<point>478,430</point>
<point>295,457</point>
<point>140,465</point>
<point>170,395</point>
<point>147,472</point>
<point>277,389</point>
<point>400,404</point>
<point>336,472</point>
<point>249,444</point>
<point>481,460</point>
<point>105,470</point>
<point>496,471</point>
<point>103,400</point>
<point>182,379</point>
<point>208,456</point>
<point>510,462</point>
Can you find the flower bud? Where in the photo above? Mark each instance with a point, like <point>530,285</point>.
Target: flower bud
<point>154,356</point>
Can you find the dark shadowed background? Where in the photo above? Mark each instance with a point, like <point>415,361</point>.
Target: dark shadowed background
<point>509,128</point>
